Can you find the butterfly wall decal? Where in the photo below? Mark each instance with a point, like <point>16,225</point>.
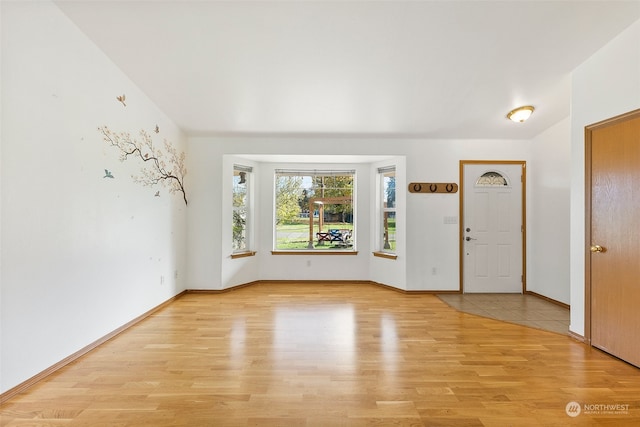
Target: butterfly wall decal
<point>121,99</point>
<point>108,174</point>
<point>157,193</point>
<point>157,129</point>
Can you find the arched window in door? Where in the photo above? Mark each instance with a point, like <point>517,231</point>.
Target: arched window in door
<point>491,179</point>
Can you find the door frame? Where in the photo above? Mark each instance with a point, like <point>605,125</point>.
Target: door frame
<point>523,183</point>
<point>588,134</point>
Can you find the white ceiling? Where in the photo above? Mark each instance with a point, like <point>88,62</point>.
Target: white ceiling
<point>438,69</point>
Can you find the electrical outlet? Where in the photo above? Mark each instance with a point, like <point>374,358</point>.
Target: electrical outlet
<point>162,280</point>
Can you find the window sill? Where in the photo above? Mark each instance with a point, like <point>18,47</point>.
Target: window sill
<point>243,254</point>
<point>311,252</point>
<point>385,255</point>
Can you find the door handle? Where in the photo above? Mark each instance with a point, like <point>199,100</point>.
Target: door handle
<point>597,248</point>
<point>469,238</point>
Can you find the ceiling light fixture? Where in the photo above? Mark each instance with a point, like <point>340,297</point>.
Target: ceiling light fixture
<point>520,114</point>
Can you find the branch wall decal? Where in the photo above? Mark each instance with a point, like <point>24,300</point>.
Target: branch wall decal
<point>160,166</point>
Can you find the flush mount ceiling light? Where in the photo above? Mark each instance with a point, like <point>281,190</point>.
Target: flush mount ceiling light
<point>520,114</point>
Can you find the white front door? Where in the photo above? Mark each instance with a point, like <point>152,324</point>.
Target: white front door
<point>492,227</point>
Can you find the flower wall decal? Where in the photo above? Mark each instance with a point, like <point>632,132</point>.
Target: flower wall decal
<point>163,166</point>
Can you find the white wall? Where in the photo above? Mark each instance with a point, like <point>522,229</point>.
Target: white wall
<point>433,246</point>
<point>604,86</point>
<point>1,198</point>
<point>549,175</point>
<point>81,254</point>
<point>204,217</point>
<point>431,258</point>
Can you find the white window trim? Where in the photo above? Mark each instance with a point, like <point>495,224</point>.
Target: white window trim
<point>382,209</point>
<point>247,250</point>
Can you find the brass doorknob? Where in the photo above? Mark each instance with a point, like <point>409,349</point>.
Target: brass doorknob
<point>597,248</point>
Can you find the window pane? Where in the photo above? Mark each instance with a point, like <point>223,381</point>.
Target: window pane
<point>240,211</point>
<point>388,211</point>
<point>314,211</point>
<point>239,230</point>
<point>239,190</point>
<point>492,179</point>
<point>389,192</point>
<point>389,232</point>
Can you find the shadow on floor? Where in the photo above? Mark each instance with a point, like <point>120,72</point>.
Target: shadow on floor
<point>527,310</point>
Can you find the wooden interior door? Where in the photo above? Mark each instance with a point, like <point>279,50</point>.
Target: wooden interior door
<point>613,236</point>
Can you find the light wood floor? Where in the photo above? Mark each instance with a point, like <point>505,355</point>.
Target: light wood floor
<point>330,355</point>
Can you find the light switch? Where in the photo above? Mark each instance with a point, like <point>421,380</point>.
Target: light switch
<point>450,219</point>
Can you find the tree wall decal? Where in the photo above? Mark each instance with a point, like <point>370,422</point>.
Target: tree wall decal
<point>160,166</point>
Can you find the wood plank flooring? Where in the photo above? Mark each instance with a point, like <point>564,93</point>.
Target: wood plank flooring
<point>331,355</point>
